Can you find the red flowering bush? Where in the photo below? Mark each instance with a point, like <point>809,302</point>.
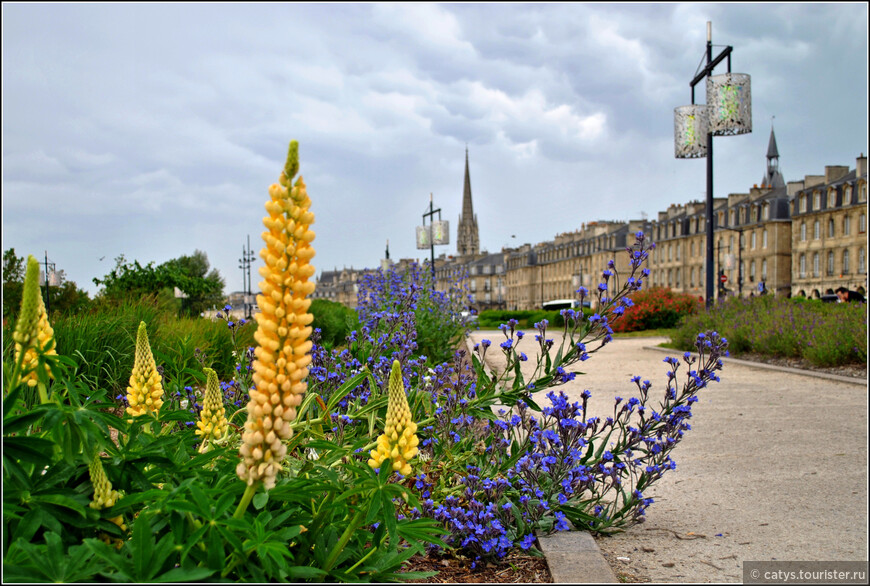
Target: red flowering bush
<point>657,308</point>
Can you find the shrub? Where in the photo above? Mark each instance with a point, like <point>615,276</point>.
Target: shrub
<point>657,308</point>
<point>334,320</point>
<point>825,334</point>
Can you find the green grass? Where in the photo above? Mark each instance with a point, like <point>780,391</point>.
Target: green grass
<point>102,343</point>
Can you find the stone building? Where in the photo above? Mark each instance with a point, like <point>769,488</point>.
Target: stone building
<point>829,231</point>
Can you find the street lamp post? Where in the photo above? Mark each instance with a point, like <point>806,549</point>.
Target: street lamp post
<point>245,264</point>
<point>435,233</point>
<point>728,111</point>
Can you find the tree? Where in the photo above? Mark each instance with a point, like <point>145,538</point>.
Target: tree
<point>65,297</point>
<point>190,274</point>
<point>13,281</point>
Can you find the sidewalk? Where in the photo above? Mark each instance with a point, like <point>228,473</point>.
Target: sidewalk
<point>774,468</point>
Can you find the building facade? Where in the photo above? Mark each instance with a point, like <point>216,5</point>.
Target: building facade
<point>829,231</point>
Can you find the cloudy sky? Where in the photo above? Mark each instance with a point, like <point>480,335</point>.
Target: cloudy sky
<point>152,130</point>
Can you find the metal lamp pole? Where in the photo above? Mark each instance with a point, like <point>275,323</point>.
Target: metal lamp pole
<point>728,111</point>
<point>430,215</point>
<point>245,264</point>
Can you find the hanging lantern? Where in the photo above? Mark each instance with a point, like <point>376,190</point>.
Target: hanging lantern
<point>690,132</point>
<point>730,100</point>
<point>424,236</point>
<point>441,232</point>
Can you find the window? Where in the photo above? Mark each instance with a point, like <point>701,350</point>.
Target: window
<point>846,262</point>
<point>817,200</point>
<point>731,217</point>
<point>862,193</point>
<point>752,240</point>
<point>862,223</point>
<point>679,246</point>
<point>692,277</point>
<point>669,277</point>
<point>847,226</point>
<point>764,270</point>
<point>861,266</point>
<point>816,230</point>
<point>765,211</point>
<point>670,257</point>
<point>803,231</point>
<point>691,249</point>
<point>803,203</point>
<point>752,272</point>
<point>677,277</point>
<point>816,264</point>
<point>831,228</point>
<point>847,195</point>
<point>830,263</point>
<point>803,266</point>
<point>764,238</point>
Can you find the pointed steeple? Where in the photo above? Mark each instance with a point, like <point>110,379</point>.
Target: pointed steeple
<point>467,239</point>
<point>773,177</point>
<point>772,152</point>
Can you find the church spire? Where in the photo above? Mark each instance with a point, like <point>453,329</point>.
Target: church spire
<point>773,177</point>
<point>467,239</point>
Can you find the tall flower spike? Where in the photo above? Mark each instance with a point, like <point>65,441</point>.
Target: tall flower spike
<point>399,441</point>
<point>283,348</point>
<point>145,393</point>
<point>104,496</point>
<point>33,333</point>
<point>212,424</point>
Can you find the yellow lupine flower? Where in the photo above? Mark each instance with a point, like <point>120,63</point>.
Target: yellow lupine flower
<point>212,424</point>
<point>399,441</point>
<point>283,348</point>
<point>33,330</point>
<point>145,393</point>
<point>104,496</point>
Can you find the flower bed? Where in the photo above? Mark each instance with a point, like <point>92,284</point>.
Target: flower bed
<point>328,464</point>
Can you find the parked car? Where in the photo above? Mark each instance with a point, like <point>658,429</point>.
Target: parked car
<point>829,298</point>
<point>468,317</point>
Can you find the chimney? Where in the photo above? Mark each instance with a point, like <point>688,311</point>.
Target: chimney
<point>793,187</point>
<point>813,180</point>
<point>834,172</point>
<point>861,165</point>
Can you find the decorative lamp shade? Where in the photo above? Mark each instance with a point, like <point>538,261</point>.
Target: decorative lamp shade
<point>690,132</point>
<point>729,98</point>
<point>424,236</point>
<point>441,232</point>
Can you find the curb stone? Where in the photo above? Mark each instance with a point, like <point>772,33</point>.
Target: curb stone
<point>573,557</point>
<point>832,377</point>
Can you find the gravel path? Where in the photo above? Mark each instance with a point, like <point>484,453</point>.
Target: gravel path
<point>775,468</point>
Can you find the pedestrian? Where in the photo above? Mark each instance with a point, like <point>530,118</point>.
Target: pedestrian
<point>846,295</point>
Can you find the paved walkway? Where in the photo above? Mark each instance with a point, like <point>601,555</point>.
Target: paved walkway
<point>775,468</point>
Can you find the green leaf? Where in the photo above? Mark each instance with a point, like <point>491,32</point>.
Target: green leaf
<point>142,545</point>
<point>260,499</point>
<point>184,575</point>
<point>61,501</point>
